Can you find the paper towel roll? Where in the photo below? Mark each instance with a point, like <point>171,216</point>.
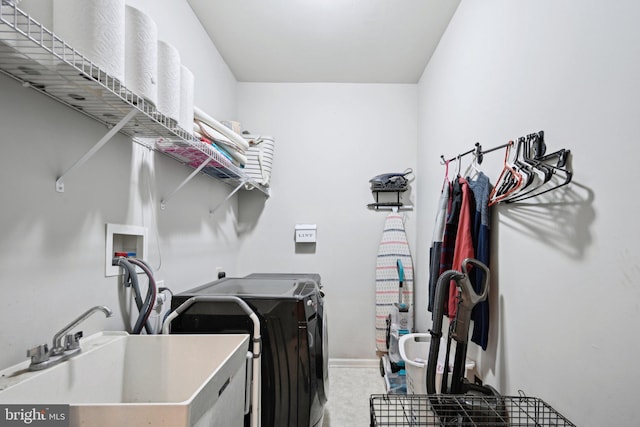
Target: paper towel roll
<point>141,54</point>
<point>95,28</point>
<point>187,88</point>
<point>168,80</point>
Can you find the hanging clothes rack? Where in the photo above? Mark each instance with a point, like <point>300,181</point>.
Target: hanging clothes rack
<point>477,151</point>
<point>528,170</point>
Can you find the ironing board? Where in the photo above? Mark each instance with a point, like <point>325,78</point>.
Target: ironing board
<point>393,246</point>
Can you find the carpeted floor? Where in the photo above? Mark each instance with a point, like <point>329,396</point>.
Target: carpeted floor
<point>349,391</point>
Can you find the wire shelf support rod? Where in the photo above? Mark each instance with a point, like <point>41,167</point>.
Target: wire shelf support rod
<point>114,130</point>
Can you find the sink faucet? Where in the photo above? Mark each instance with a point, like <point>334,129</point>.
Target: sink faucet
<point>59,337</point>
<point>64,343</point>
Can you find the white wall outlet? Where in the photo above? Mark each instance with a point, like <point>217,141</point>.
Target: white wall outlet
<point>161,297</point>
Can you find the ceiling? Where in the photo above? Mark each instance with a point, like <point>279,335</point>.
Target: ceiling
<point>354,41</point>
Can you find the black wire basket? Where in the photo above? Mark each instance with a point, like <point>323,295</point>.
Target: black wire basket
<point>462,411</point>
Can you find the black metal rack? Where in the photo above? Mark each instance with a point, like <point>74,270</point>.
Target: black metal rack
<point>390,183</point>
<point>378,204</point>
<point>462,411</point>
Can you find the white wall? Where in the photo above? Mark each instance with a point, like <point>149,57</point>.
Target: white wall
<point>566,290</point>
<point>52,245</point>
<point>330,140</point>
<point>565,295</point>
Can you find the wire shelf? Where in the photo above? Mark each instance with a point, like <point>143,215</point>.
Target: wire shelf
<point>462,411</point>
<point>36,57</point>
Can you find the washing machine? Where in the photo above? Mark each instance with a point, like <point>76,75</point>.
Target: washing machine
<point>293,322</point>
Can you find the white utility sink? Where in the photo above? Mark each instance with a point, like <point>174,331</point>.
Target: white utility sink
<point>134,380</point>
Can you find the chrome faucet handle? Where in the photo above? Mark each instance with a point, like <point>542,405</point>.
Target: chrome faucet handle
<point>39,354</point>
<point>59,337</point>
<point>72,341</point>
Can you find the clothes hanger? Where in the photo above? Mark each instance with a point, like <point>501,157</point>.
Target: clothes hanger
<point>508,181</point>
<point>516,178</point>
<point>473,168</point>
<point>538,147</point>
<point>527,173</point>
<point>533,173</point>
<point>539,153</point>
<point>568,175</point>
<point>446,174</point>
<point>542,161</point>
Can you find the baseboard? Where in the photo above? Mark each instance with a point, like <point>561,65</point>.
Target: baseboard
<point>354,363</point>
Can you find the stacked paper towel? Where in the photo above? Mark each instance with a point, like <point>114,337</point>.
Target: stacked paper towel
<point>141,54</point>
<point>96,29</point>
<point>187,92</point>
<point>168,80</point>
<point>123,41</point>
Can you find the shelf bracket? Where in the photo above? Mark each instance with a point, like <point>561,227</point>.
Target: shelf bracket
<point>235,190</point>
<point>98,146</point>
<point>163,202</point>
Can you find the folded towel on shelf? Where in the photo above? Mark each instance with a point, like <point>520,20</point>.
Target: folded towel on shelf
<point>222,142</point>
<point>217,147</point>
<point>259,158</point>
<point>202,117</point>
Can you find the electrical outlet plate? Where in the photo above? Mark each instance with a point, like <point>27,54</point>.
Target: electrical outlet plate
<point>124,238</point>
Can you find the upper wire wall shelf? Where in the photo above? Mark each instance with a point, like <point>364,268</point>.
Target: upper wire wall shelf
<point>39,59</point>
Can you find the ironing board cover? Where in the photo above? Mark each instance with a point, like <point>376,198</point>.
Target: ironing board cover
<point>393,246</point>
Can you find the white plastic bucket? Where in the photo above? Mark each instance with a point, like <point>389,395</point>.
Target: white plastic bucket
<point>414,350</point>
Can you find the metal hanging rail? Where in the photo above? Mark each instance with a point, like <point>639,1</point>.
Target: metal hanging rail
<point>531,173</point>
<point>477,151</point>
